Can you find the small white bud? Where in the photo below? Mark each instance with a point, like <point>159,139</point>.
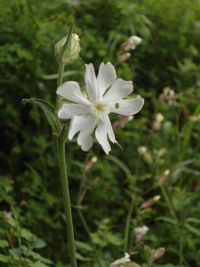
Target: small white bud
<point>131,43</point>
<point>71,51</point>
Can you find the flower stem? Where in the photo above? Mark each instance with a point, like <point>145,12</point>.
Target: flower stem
<point>66,200</point>
<point>60,74</point>
<point>127,227</point>
<point>64,182</point>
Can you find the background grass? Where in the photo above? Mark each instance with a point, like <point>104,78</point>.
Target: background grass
<point>32,226</point>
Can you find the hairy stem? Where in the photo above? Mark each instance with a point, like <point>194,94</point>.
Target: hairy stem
<point>66,200</point>
<point>64,181</point>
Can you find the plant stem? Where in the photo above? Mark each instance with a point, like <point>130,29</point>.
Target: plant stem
<point>60,74</point>
<point>64,181</point>
<point>127,227</point>
<point>168,202</point>
<point>66,200</point>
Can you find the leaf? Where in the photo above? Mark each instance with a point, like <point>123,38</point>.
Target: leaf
<point>48,110</point>
<point>55,76</point>
<point>38,264</point>
<point>166,219</point>
<point>4,244</point>
<point>4,258</point>
<point>193,220</point>
<point>83,246</point>
<point>192,229</point>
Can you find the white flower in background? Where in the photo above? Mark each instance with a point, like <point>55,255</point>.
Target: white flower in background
<point>105,95</point>
<point>132,42</point>
<point>124,262</point>
<point>135,41</point>
<point>121,262</point>
<point>140,232</point>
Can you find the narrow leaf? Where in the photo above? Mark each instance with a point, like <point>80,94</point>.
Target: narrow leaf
<point>47,108</point>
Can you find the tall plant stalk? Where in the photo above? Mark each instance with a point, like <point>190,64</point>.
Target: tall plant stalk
<point>65,184</point>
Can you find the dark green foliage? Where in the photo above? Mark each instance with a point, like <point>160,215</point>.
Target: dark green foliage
<point>31,218</point>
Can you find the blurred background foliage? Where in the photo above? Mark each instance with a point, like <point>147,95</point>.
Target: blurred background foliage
<point>153,179</point>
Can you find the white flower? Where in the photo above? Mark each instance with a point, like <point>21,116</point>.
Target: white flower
<point>105,95</point>
<point>141,230</point>
<point>122,261</point>
<point>134,41</point>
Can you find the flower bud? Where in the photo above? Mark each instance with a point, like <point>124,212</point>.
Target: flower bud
<point>124,57</point>
<point>90,163</point>
<point>150,202</point>
<point>158,254</point>
<point>131,43</point>
<point>71,50</point>
<point>144,152</point>
<point>140,232</point>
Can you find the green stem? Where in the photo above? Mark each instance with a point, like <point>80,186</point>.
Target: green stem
<point>127,227</point>
<point>168,202</point>
<point>87,229</point>
<point>66,200</point>
<point>60,80</point>
<point>60,74</point>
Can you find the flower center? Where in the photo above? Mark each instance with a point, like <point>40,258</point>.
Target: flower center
<point>100,107</point>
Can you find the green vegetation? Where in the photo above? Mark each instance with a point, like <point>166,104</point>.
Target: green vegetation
<point>153,180</point>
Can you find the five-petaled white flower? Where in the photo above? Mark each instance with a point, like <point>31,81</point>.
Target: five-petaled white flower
<point>105,95</point>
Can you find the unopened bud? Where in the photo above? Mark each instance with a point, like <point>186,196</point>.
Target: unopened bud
<point>90,163</point>
<point>121,122</point>
<point>167,172</point>
<point>194,118</point>
<point>124,57</point>
<point>71,50</point>
<point>158,254</point>
<point>142,150</point>
<point>150,202</point>
<point>159,117</point>
<point>131,43</point>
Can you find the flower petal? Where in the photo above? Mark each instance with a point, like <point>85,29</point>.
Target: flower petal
<point>101,136</point>
<point>128,107</point>
<point>68,111</point>
<point>91,82</point>
<point>85,140</point>
<point>106,77</point>
<point>85,123</point>
<point>119,90</point>
<point>71,91</point>
<point>110,132</point>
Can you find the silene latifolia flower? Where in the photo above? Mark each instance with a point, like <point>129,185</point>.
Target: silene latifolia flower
<point>140,232</point>
<point>88,114</point>
<point>123,262</point>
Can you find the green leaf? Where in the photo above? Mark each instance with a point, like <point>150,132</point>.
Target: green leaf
<point>48,110</point>
<point>192,229</point>
<point>4,244</point>
<point>4,258</point>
